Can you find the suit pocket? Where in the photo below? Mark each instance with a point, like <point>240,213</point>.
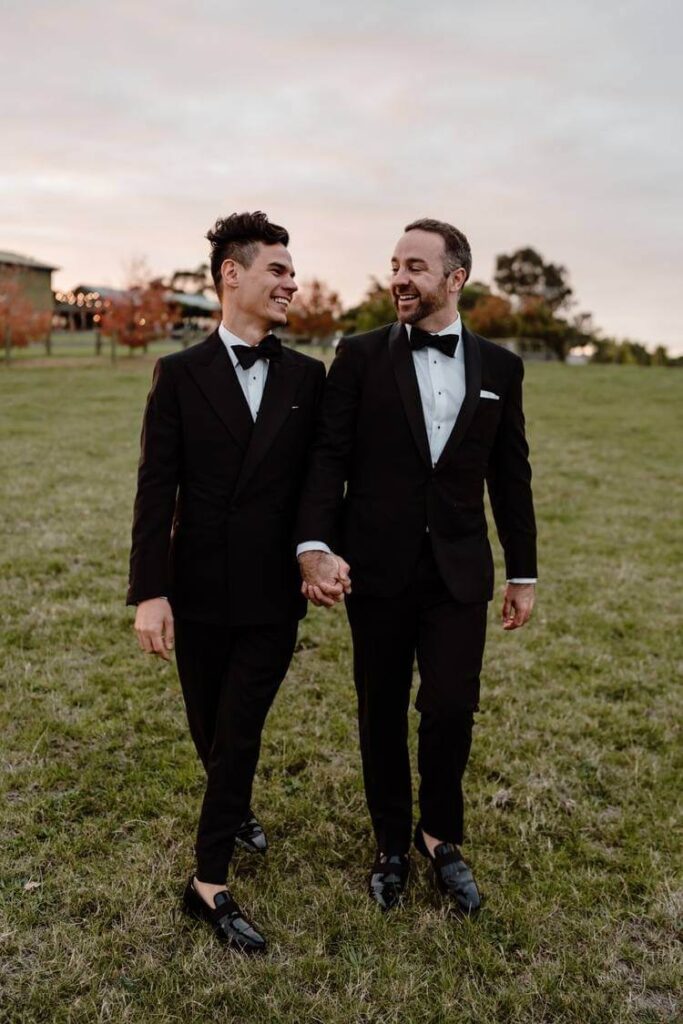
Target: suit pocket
<point>484,423</point>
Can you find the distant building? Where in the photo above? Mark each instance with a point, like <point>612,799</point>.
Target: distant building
<point>34,278</point>
<point>82,308</point>
<point>193,305</point>
<point>530,349</point>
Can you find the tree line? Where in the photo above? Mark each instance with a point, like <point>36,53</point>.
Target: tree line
<point>531,301</point>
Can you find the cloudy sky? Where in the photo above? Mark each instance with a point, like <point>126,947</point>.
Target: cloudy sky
<point>127,128</point>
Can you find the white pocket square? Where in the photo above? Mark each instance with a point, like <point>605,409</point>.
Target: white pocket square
<point>489,394</point>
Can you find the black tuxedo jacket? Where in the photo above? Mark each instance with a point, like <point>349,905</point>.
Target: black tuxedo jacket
<point>372,438</point>
<point>213,525</point>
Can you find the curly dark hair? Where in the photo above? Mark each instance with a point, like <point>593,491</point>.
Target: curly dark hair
<point>457,253</point>
<point>235,238</point>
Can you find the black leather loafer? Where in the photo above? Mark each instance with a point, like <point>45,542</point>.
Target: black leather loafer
<point>453,876</point>
<point>229,924</point>
<point>250,835</point>
<point>389,879</point>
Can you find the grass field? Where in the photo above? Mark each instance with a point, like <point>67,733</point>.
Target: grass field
<point>69,347</point>
<point>571,810</point>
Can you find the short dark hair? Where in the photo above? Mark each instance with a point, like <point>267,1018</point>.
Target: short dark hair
<point>457,252</point>
<point>235,238</point>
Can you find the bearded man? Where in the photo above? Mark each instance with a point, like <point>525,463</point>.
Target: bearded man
<point>416,418</point>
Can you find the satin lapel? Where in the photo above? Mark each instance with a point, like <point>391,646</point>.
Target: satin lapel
<point>217,380</point>
<point>406,379</point>
<point>471,399</point>
<point>281,386</point>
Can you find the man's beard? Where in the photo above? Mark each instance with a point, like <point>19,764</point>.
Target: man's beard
<point>427,304</point>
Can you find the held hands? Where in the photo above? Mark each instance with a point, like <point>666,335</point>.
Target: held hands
<point>325,578</point>
<point>518,603</point>
<point>154,627</point>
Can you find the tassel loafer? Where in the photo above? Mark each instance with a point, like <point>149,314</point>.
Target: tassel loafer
<point>453,876</point>
<point>250,835</point>
<point>388,879</point>
<point>229,924</point>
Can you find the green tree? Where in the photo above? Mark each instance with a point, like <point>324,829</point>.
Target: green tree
<point>660,356</point>
<point>376,310</point>
<point>536,321</point>
<point>194,282</point>
<point>628,353</point>
<point>471,294</point>
<point>525,275</point>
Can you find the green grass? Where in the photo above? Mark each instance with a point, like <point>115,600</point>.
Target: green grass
<point>80,346</point>
<point>571,802</point>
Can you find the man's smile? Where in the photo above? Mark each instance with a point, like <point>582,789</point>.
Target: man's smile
<point>404,298</point>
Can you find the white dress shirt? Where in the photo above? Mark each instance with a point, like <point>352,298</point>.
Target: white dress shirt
<point>441,380</point>
<point>253,380</point>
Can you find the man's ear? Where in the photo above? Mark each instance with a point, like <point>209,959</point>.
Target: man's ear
<point>230,273</point>
<point>457,280</point>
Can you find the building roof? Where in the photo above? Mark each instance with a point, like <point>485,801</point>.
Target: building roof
<point>200,302</point>
<point>104,291</point>
<point>15,259</point>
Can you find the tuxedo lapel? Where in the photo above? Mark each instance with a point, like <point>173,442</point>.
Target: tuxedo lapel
<point>472,388</point>
<point>406,379</point>
<point>282,383</point>
<point>217,380</point>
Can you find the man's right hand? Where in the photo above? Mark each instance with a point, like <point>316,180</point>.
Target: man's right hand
<point>325,577</point>
<point>154,627</point>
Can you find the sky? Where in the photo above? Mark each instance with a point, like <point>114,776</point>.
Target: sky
<point>128,128</point>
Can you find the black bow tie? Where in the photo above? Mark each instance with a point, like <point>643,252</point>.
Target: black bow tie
<point>445,343</point>
<point>269,348</point>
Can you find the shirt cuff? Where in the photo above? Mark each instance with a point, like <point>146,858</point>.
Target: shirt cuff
<point>519,579</point>
<point>312,545</point>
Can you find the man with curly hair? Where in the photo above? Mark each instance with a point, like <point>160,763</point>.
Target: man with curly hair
<point>213,571</point>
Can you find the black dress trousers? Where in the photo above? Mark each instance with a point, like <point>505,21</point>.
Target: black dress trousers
<point>447,637</point>
<point>229,679</point>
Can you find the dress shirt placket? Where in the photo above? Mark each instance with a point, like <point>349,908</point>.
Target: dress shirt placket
<point>254,378</point>
<point>439,403</point>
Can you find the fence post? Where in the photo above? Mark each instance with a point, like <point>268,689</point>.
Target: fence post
<point>8,343</point>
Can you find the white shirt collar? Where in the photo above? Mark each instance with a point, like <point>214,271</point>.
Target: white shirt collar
<point>229,339</point>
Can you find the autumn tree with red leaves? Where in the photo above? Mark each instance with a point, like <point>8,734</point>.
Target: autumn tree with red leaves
<point>20,322</point>
<point>140,314</point>
<point>314,313</point>
<point>492,316</point>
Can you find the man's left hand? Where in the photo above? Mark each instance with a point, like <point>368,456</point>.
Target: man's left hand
<point>518,604</point>
<point>325,577</point>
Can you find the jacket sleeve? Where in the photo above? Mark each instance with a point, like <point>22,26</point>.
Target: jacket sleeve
<point>509,484</point>
<point>158,475</point>
<point>331,451</point>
